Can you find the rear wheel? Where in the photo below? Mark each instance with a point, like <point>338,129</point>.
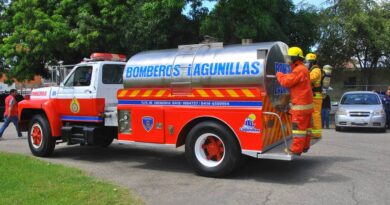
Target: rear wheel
<point>107,141</point>
<point>212,150</point>
<point>40,141</point>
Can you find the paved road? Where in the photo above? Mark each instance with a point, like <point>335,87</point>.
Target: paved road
<point>344,168</point>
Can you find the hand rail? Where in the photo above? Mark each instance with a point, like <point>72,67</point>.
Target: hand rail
<point>281,124</point>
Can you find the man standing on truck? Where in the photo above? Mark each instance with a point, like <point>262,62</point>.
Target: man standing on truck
<point>315,78</point>
<point>11,112</point>
<point>298,81</point>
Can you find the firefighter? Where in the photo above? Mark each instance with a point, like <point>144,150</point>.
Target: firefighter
<point>315,78</point>
<point>298,81</point>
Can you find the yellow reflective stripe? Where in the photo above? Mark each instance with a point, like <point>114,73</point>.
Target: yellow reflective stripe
<point>302,107</point>
<point>299,132</point>
<point>232,93</point>
<point>248,93</point>
<point>147,93</point>
<point>217,93</point>
<point>134,93</point>
<point>122,93</point>
<point>317,95</point>
<point>202,93</point>
<point>316,131</point>
<point>160,93</point>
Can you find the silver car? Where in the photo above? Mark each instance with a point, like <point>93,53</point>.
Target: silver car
<point>360,109</point>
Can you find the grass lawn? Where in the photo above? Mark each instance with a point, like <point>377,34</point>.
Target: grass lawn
<point>25,180</point>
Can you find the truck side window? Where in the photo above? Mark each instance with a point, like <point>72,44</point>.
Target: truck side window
<point>113,74</point>
<point>80,77</point>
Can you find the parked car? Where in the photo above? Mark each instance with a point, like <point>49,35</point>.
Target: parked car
<point>2,103</point>
<point>360,109</point>
<point>333,107</point>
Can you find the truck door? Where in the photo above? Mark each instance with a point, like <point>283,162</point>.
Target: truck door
<point>78,92</point>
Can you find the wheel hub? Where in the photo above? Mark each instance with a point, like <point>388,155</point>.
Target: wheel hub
<point>36,136</point>
<point>213,148</point>
<point>209,149</point>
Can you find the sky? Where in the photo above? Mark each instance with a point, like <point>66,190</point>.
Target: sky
<point>317,3</point>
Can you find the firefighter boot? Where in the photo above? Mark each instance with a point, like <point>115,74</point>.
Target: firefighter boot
<point>297,145</point>
<point>307,144</point>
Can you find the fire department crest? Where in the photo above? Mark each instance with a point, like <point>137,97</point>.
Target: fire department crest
<point>74,106</point>
<point>249,125</point>
<point>147,123</point>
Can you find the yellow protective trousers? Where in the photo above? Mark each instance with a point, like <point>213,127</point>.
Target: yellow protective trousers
<point>317,126</point>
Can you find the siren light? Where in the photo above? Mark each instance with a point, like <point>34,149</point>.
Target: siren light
<point>107,57</point>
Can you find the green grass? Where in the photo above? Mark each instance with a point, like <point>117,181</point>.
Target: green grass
<point>25,180</point>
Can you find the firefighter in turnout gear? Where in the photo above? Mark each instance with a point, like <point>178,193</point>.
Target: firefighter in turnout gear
<point>298,81</point>
<point>315,78</point>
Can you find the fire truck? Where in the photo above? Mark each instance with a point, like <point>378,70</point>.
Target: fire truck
<point>221,102</point>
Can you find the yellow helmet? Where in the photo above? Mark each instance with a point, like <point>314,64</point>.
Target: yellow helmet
<point>295,52</point>
<point>311,57</point>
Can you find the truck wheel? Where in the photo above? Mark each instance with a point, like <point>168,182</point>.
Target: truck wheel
<point>212,150</point>
<point>39,137</point>
<point>106,141</point>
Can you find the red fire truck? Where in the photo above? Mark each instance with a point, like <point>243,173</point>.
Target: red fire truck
<point>220,102</point>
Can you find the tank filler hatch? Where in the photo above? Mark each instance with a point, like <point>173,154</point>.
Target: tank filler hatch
<point>185,57</point>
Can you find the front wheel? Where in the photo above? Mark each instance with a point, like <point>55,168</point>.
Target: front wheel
<point>212,150</point>
<point>40,141</point>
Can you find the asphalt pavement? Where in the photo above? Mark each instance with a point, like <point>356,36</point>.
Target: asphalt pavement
<point>344,168</point>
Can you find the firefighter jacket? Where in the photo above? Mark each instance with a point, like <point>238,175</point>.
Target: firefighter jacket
<point>298,81</point>
<point>315,78</point>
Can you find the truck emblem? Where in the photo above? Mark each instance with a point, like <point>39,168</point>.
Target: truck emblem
<point>74,106</point>
<point>147,123</point>
<point>249,125</point>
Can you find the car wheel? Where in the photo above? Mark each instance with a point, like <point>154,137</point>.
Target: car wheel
<point>40,141</point>
<point>212,150</point>
<point>382,130</point>
<point>338,129</point>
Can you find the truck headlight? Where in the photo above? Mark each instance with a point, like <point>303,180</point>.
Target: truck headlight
<point>341,112</point>
<point>124,121</point>
<point>379,112</point>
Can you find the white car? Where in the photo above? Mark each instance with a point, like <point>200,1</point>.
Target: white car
<point>360,109</point>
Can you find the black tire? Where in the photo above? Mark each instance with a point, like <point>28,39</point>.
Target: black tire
<point>338,129</point>
<point>106,141</point>
<point>40,140</point>
<point>106,137</point>
<point>382,130</point>
<point>212,133</point>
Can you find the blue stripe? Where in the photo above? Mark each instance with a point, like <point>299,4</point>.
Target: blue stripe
<point>192,103</point>
<point>81,118</point>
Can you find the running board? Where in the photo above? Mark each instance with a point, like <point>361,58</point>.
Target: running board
<point>278,152</point>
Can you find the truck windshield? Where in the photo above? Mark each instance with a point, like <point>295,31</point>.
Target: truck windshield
<point>360,99</point>
<point>113,74</point>
<point>80,77</point>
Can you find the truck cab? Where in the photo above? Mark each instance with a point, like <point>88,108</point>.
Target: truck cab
<point>81,110</point>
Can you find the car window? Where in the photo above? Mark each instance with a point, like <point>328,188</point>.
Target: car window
<point>360,99</point>
<point>80,77</point>
<point>113,74</point>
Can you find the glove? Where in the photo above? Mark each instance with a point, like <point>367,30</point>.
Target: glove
<point>278,74</point>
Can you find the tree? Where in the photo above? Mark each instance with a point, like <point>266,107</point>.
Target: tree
<point>41,32</point>
<point>356,29</point>
<point>32,35</point>
<point>262,20</point>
